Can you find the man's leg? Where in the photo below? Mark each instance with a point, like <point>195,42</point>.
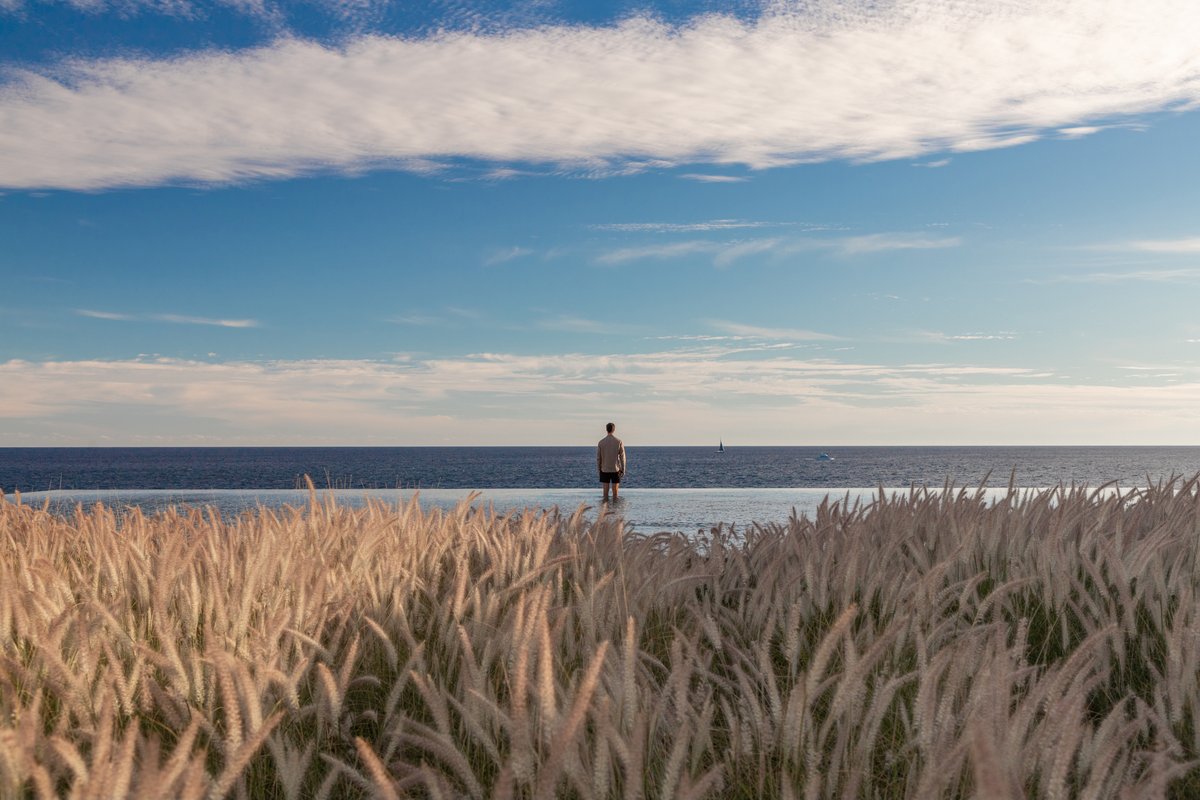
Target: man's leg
<point>604,484</point>
<point>616,488</point>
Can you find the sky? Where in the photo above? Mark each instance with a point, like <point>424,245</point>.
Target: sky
<point>357,222</point>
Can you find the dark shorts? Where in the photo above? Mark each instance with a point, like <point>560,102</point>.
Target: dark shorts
<point>610,477</point>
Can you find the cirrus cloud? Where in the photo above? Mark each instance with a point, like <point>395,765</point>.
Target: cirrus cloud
<point>726,253</point>
<point>813,81</point>
<point>1188,246</point>
<point>178,319</point>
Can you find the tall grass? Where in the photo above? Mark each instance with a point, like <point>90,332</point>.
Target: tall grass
<point>929,645</point>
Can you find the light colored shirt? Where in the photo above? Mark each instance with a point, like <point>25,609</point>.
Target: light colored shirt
<point>610,454</point>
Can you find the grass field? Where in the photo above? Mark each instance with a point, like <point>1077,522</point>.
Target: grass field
<point>927,646</point>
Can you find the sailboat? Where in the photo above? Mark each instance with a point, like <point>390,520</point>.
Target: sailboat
<point>721,447</point>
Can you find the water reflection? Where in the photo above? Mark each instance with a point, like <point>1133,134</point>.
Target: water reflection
<point>645,510</point>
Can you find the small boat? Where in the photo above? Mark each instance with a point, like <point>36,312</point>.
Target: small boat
<point>721,447</point>
<point>825,457</point>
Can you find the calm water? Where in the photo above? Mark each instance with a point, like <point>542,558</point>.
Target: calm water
<point>646,510</point>
<point>39,469</point>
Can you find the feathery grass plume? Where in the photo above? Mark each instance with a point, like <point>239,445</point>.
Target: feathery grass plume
<point>382,781</point>
<point>921,644</point>
<point>565,734</point>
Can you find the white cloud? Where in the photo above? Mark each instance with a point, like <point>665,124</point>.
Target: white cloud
<point>1079,131</point>
<point>941,162</point>
<point>496,398</point>
<point>178,319</point>
<point>87,312</point>
<point>703,178</point>
<point>810,81</point>
<point>184,319</point>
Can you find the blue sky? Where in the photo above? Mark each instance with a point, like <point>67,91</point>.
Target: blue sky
<point>813,223</point>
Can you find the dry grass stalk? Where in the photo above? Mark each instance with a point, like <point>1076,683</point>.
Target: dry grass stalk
<point>924,645</point>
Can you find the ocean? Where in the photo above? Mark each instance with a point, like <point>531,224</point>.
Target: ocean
<point>665,488</point>
<point>30,469</point>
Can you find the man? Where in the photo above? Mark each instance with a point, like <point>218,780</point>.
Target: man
<point>610,461</point>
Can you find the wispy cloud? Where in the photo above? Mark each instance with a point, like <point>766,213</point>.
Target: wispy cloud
<point>736,251</point>
<point>1080,131</point>
<point>184,319</point>
<point>1187,245</point>
<point>571,324</point>
<point>684,227</point>
<point>939,336</point>
<point>703,178</point>
<point>941,162</point>
<point>1184,246</point>
<point>726,253</point>
<point>802,82</point>
<point>446,316</point>
<point>506,254</point>
<point>178,319</point>
<point>657,251</point>
<point>418,320</point>
<point>760,332</point>
<point>884,242</point>
<point>1003,336</point>
<point>268,11</point>
<point>942,337</point>
<point>1180,275</point>
<point>699,337</point>
<point>87,312</point>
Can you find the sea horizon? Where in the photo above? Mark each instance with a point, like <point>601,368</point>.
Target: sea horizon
<point>650,467</point>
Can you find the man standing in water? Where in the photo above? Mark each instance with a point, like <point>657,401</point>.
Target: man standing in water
<point>610,461</point>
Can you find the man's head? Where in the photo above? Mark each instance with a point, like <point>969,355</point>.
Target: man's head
<point>610,427</point>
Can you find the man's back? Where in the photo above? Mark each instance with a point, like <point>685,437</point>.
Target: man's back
<point>610,454</point>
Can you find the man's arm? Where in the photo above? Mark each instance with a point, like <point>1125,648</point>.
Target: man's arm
<point>621,459</point>
<point>599,459</point>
